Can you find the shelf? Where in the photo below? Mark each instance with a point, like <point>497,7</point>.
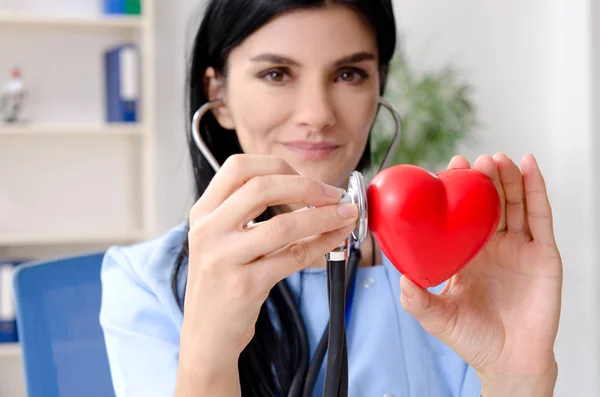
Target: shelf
<point>101,21</point>
<point>29,239</point>
<point>9,350</point>
<point>66,129</point>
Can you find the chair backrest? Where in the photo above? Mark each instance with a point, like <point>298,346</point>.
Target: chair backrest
<point>57,308</point>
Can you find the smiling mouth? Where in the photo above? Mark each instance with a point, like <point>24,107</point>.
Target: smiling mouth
<point>312,150</point>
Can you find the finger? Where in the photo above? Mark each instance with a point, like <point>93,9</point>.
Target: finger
<point>254,225</point>
<point>436,315</point>
<point>235,172</point>
<point>251,200</point>
<point>299,255</point>
<point>539,211</point>
<point>487,166</point>
<point>512,182</point>
<point>458,162</point>
<point>283,229</point>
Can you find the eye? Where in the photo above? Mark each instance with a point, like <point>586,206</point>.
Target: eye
<point>353,75</point>
<point>276,75</point>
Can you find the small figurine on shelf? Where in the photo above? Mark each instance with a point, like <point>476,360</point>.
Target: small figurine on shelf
<point>12,97</point>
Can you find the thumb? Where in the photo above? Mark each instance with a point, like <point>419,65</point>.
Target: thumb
<point>435,313</point>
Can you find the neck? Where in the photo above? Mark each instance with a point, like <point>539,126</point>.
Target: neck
<point>370,251</point>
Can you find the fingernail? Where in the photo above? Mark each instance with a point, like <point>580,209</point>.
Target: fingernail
<point>501,156</point>
<point>348,210</point>
<point>407,289</point>
<point>408,295</point>
<point>333,192</point>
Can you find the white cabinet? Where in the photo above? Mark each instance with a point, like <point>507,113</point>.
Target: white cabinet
<point>69,181</point>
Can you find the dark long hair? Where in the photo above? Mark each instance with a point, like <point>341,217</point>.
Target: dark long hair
<point>269,361</point>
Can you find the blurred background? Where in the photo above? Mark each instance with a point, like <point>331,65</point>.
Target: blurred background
<point>515,76</point>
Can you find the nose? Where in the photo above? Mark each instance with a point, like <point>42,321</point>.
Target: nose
<point>314,107</point>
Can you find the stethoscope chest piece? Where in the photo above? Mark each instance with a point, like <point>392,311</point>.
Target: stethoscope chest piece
<point>357,194</point>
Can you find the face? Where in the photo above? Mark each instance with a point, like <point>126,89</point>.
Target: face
<point>305,87</point>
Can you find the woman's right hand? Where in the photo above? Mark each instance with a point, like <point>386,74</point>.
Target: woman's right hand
<point>232,268</point>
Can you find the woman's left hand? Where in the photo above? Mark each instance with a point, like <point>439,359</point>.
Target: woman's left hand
<point>501,312</point>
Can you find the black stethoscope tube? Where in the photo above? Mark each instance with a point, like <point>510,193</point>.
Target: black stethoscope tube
<point>304,380</point>
<point>336,273</point>
<point>298,380</point>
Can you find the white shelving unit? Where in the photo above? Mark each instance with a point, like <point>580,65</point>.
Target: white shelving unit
<point>70,239</point>
<point>87,22</point>
<point>9,350</point>
<point>69,181</point>
<point>66,129</point>
<point>131,144</point>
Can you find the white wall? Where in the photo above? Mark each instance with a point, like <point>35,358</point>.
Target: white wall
<point>175,23</point>
<point>595,25</point>
<point>530,62</point>
<point>575,195</point>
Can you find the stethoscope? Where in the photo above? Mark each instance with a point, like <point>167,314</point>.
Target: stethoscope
<point>339,277</point>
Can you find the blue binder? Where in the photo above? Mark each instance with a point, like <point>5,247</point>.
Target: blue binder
<point>8,322</point>
<point>122,68</point>
<point>114,6</point>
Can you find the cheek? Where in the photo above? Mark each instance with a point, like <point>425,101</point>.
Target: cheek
<point>356,113</point>
<point>257,112</point>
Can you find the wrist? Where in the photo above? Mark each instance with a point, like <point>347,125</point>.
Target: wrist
<point>204,378</point>
<point>206,350</point>
<point>520,386</point>
<point>206,360</point>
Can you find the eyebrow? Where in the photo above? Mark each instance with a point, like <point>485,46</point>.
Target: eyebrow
<point>280,59</point>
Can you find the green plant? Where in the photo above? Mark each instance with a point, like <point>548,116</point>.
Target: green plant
<point>437,115</point>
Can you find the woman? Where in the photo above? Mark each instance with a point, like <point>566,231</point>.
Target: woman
<point>298,83</point>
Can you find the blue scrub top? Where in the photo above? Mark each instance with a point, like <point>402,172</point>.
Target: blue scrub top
<point>389,353</point>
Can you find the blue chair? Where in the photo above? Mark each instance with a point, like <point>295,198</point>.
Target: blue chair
<point>57,307</point>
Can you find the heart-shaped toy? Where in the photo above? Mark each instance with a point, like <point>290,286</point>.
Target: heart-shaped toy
<point>431,226</point>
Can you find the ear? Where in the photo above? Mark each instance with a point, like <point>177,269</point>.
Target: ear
<point>215,89</point>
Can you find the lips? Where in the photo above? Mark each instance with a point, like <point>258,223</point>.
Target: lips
<point>312,150</point>
<point>306,145</point>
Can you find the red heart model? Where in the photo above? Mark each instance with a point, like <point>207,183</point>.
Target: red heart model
<point>430,226</point>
